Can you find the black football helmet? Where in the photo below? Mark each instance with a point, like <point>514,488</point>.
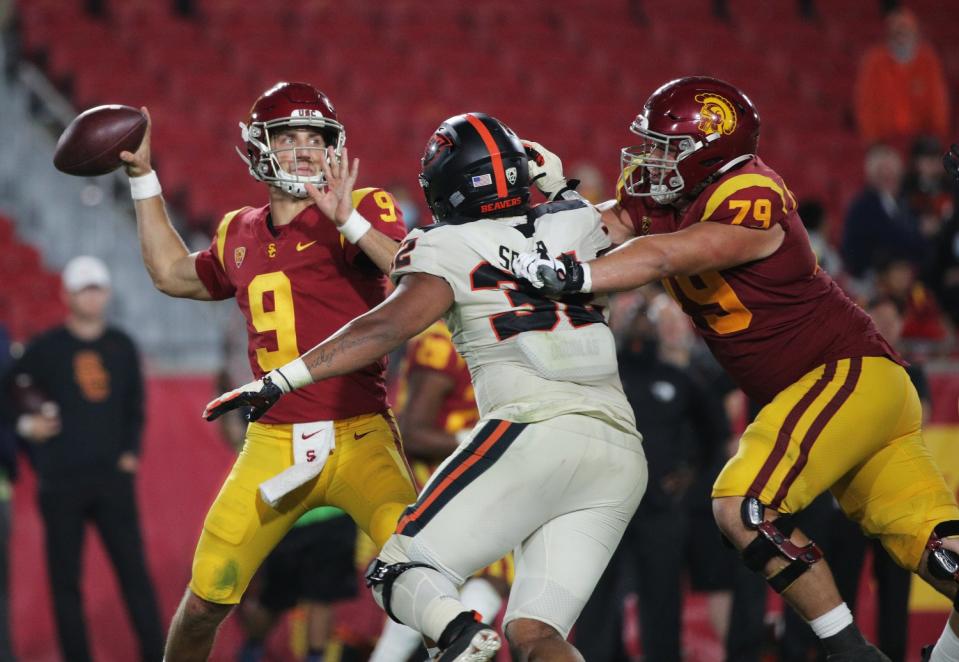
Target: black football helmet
<point>474,167</point>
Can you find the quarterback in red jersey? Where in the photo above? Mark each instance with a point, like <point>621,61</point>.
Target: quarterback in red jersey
<point>697,209</point>
<point>299,268</point>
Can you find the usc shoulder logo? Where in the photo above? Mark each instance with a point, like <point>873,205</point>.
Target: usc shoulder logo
<point>91,376</point>
<point>239,254</point>
<point>717,114</point>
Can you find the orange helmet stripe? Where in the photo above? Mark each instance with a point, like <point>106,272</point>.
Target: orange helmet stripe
<point>499,173</point>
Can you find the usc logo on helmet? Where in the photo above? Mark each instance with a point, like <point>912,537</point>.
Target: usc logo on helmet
<point>717,114</point>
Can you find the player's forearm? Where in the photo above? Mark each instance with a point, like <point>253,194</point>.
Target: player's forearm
<point>165,255</point>
<point>358,344</point>
<point>637,262</point>
<point>379,248</point>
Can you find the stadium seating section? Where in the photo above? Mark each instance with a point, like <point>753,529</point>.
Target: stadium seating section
<point>30,297</point>
<point>569,73</point>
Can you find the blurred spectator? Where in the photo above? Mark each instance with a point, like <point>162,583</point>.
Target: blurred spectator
<point>900,90</point>
<point>878,224</point>
<point>942,273</point>
<point>813,216</point>
<point>85,442</point>
<point>927,188</point>
<point>922,318</point>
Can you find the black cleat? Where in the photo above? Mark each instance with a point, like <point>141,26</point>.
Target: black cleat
<point>466,639</point>
<point>866,653</point>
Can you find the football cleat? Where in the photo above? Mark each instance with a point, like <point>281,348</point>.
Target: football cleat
<point>475,643</point>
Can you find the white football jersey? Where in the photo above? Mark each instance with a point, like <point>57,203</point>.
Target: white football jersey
<point>530,357</point>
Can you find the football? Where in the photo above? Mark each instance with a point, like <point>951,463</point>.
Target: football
<point>92,143</point>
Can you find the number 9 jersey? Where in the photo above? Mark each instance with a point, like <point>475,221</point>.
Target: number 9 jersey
<point>771,321</point>
<point>530,358</point>
<point>296,284</point>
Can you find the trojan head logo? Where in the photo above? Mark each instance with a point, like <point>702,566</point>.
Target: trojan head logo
<point>644,229</point>
<point>717,114</point>
<point>438,143</point>
<point>238,255</point>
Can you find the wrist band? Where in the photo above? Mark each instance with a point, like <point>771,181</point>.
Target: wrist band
<point>355,227</point>
<point>145,186</point>
<point>587,280</point>
<point>293,375</point>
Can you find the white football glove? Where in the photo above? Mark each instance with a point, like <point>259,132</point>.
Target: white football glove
<point>546,173</point>
<point>566,275</point>
<point>526,266</point>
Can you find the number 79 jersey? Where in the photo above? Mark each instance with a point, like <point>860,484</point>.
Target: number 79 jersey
<point>530,357</point>
<point>770,321</point>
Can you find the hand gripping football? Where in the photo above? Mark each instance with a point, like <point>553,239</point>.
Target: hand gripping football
<point>92,143</point>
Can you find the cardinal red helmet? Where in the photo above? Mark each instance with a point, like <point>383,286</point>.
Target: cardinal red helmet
<point>693,130</point>
<point>285,106</point>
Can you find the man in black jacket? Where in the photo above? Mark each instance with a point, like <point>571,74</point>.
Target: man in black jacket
<point>78,400</point>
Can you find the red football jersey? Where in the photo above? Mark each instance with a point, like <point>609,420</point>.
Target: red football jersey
<point>770,321</point>
<point>296,285</point>
<point>433,350</point>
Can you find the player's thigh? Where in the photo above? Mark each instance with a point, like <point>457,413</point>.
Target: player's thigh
<point>240,529</point>
<point>816,431</point>
<point>509,479</point>
<point>475,508</point>
<point>370,478</point>
<point>558,566</point>
<point>898,495</point>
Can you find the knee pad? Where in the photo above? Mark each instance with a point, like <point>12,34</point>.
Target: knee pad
<point>381,574</point>
<point>944,563</point>
<point>773,540</point>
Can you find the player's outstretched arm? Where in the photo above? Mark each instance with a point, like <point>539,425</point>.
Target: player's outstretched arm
<point>169,263</point>
<point>418,301</point>
<point>696,249</point>
<point>336,201</point>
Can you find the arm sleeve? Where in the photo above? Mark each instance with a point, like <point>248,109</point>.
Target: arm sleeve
<point>133,404</point>
<point>380,208</point>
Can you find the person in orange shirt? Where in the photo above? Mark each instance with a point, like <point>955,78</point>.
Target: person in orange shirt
<point>900,90</point>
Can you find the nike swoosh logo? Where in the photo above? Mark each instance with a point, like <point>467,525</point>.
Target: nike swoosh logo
<point>357,435</point>
<point>307,436</point>
<point>300,246</point>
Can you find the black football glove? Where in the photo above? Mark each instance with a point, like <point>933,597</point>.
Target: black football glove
<point>257,396</point>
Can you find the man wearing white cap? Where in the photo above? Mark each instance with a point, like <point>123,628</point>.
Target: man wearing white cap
<point>81,410</point>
